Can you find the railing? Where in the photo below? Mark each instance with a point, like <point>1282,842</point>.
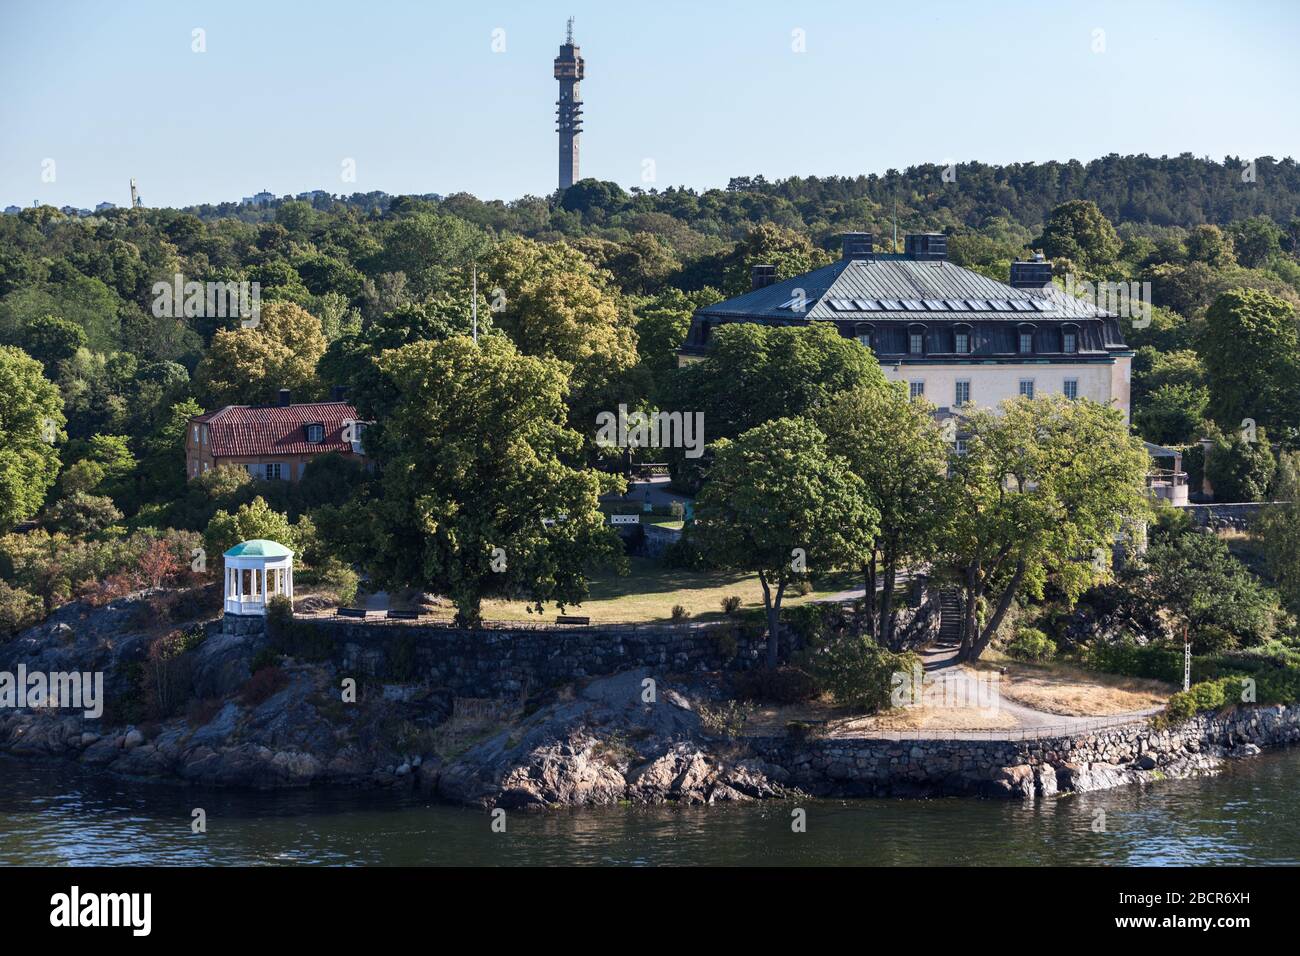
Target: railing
<point>1076,729</point>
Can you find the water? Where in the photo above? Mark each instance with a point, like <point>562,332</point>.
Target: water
<point>59,814</point>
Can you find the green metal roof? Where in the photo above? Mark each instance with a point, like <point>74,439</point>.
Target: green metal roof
<point>259,548</point>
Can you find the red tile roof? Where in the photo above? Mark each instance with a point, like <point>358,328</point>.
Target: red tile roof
<point>277,430</point>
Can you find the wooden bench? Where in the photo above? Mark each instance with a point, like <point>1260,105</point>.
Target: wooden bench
<point>571,619</point>
<point>350,612</point>
<point>403,615</point>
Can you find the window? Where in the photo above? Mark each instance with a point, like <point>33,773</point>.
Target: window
<point>916,341</point>
<point>196,434</point>
<point>961,446</point>
<point>1027,387</point>
<point>963,392</point>
<point>1071,388</point>
<point>961,340</point>
<point>916,389</point>
<point>864,336</point>
<point>271,470</point>
<point>1026,339</point>
<point>315,433</point>
<point>1070,340</point>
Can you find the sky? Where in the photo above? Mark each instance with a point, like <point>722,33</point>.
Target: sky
<point>439,97</point>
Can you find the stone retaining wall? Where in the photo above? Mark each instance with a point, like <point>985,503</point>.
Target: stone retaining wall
<point>1239,516</point>
<point>504,663</point>
<point>1128,753</point>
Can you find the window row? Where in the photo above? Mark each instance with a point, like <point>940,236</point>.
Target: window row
<point>921,340</point>
<point>962,392</point>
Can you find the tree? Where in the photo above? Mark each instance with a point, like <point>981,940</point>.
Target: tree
<point>1173,414</point>
<point>895,446</point>
<point>250,522</point>
<point>31,419</point>
<point>1257,240</point>
<point>1252,357</point>
<point>1203,589</point>
<point>248,366</point>
<point>780,504</point>
<point>757,373</point>
<point>769,244</point>
<point>1279,530</point>
<point>554,304</point>
<point>477,493</point>
<point>82,514</point>
<point>50,339</point>
<point>1042,489</point>
<point>1241,468</point>
<point>1211,245</point>
<point>1077,231</point>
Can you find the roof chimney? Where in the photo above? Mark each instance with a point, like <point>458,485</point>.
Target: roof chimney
<point>857,245</point>
<point>762,276</point>
<point>286,398</point>
<point>926,245</point>
<point>1032,274</point>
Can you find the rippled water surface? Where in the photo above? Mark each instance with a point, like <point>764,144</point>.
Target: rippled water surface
<point>58,814</point>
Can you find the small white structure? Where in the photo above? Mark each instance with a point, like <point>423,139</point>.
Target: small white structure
<point>256,572</point>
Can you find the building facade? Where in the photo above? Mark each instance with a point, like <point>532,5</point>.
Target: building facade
<point>954,336</point>
<point>273,443</point>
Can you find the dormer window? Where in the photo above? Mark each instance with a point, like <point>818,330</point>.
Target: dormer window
<point>315,434</point>
<point>916,340</point>
<point>867,336</point>
<point>961,340</point>
<point>1070,339</point>
<point>1026,340</point>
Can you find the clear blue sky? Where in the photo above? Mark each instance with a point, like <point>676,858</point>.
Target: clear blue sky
<point>413,92</point>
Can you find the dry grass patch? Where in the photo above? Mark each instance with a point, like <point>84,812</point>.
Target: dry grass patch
<point>1074,692</point>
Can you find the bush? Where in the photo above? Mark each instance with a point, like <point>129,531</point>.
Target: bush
<point>680,615</point>
<point>859,673</point>
<point>731,604</point>
<point>724,640</point>
<point>19,609</point>
<point>682,555</point>
<point>1031,644</point>
<point>785,685</point>
<point>1204,696</point>
<point>292,637</point>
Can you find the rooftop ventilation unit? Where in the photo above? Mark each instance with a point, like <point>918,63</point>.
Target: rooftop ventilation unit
<point>1033,274</point>
<point>926,246</point>
<point>762,276</point>
<point>856,245</point>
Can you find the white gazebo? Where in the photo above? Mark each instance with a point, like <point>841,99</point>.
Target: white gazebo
<point>257,571</point>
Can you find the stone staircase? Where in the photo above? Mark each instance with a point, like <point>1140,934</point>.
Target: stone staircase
<point>949,616</point>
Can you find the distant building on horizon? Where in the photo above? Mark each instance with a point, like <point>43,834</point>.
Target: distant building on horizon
<point>263,198</point>
<point>569,70</point>
<point>105,206</point>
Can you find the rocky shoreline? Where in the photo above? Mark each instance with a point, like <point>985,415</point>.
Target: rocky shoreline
<point>632,737</point>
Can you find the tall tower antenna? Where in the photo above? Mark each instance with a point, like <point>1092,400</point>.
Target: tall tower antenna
<point>135,194</point>
<point>569,70</point>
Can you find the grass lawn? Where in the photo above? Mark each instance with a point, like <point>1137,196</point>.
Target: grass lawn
<point>649,591</point>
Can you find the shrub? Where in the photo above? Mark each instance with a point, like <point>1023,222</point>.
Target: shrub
<point>1204,696</point>
<point>1031,644</point>
<point>266,657</point>
<point>682,555</point>
<point>292,637</point>
<point>725,644</point>
<point>803,587</point>
<point>680,615</point>
<point>857,672</point>
<point>19,609</point>
<point>731,604</point>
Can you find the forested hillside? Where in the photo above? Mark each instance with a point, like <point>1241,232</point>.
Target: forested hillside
<point>585,296</point>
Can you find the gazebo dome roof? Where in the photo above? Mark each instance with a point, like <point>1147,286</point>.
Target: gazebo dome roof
<point>259,548</point>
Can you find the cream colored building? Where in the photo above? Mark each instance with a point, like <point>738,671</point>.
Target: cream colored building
<point>953,335</point>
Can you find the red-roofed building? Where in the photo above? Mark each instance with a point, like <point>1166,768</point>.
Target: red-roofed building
<point>273,442</point>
